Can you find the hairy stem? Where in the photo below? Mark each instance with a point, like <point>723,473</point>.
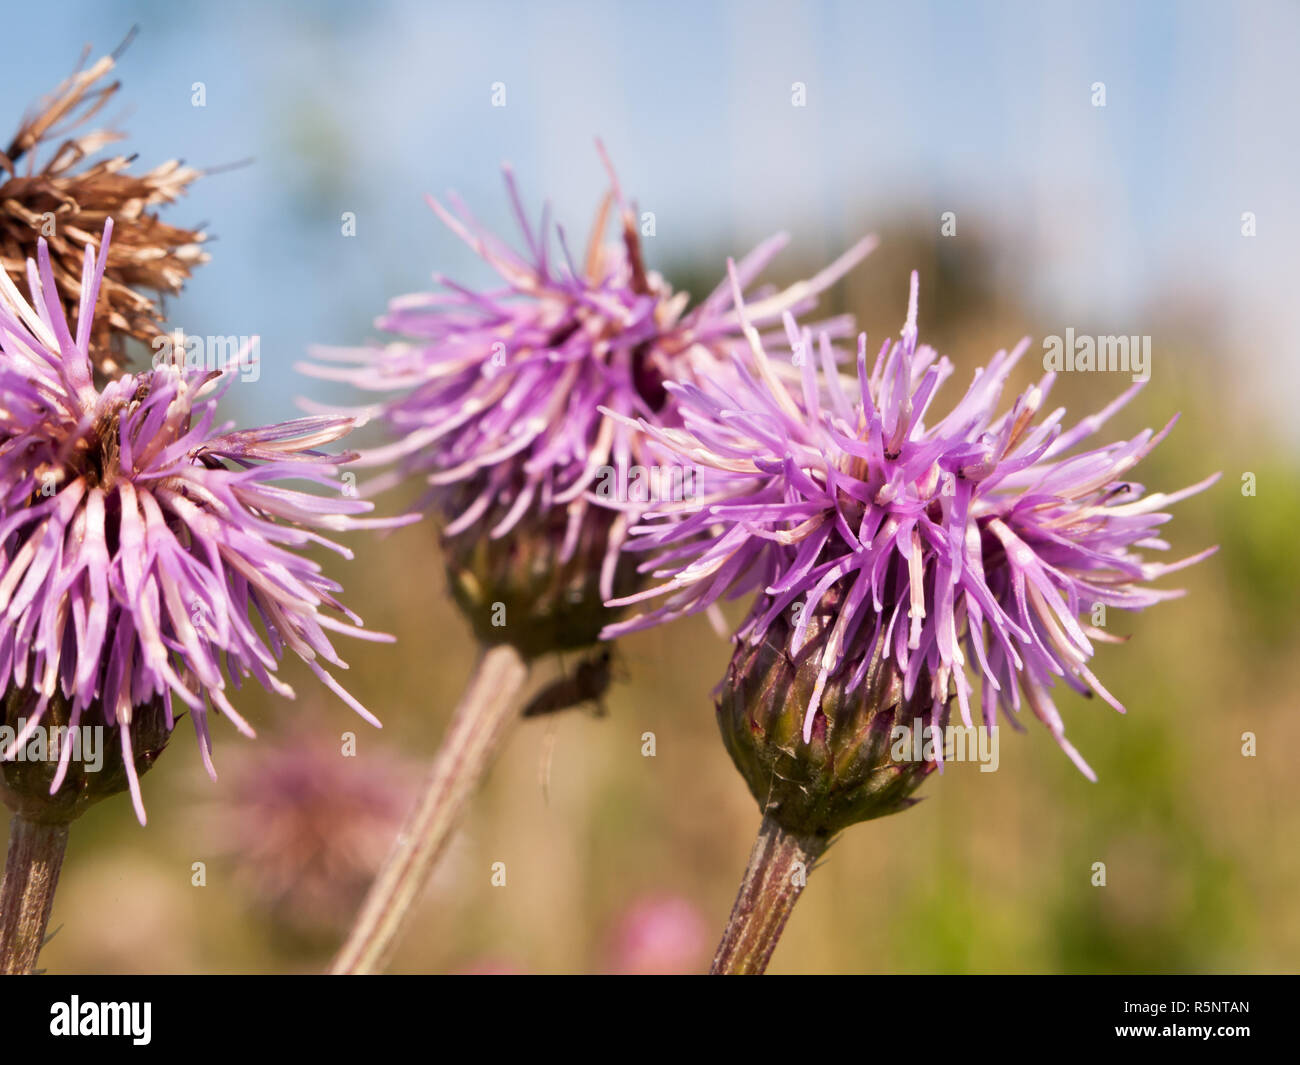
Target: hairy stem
<point>27,894</point>
<point>778,870</point>
<point>478,727</point>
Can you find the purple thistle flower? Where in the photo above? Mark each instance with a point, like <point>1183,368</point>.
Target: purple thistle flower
<point>144,554</point>
<point>969,547</point>
<point>307,827</point>
<point>513,402</point>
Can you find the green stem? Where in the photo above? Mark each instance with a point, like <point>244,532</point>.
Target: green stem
<point>478,728</point>
<point>778,870</point>
<point>27,895</point>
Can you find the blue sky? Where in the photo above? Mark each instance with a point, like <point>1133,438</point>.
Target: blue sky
<point>980,108</point>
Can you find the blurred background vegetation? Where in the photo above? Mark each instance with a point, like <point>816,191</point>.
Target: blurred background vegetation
<point>607,850</point>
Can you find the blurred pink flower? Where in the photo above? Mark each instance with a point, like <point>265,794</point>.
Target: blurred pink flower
<point>660,935</point>
<point>307,827</point>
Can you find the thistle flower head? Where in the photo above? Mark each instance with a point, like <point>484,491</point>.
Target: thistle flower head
<point>307,827</point>
<point>146,555</point>
<point>49,189</point>
<point>514,403</point>
<point>965,548</point>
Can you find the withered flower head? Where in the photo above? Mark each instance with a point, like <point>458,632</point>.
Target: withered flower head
<point>49,188</point>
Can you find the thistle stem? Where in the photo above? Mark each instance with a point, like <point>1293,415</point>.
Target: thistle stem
<point>27,895</point>
<point>775,878</point>
<point>478,728</point>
